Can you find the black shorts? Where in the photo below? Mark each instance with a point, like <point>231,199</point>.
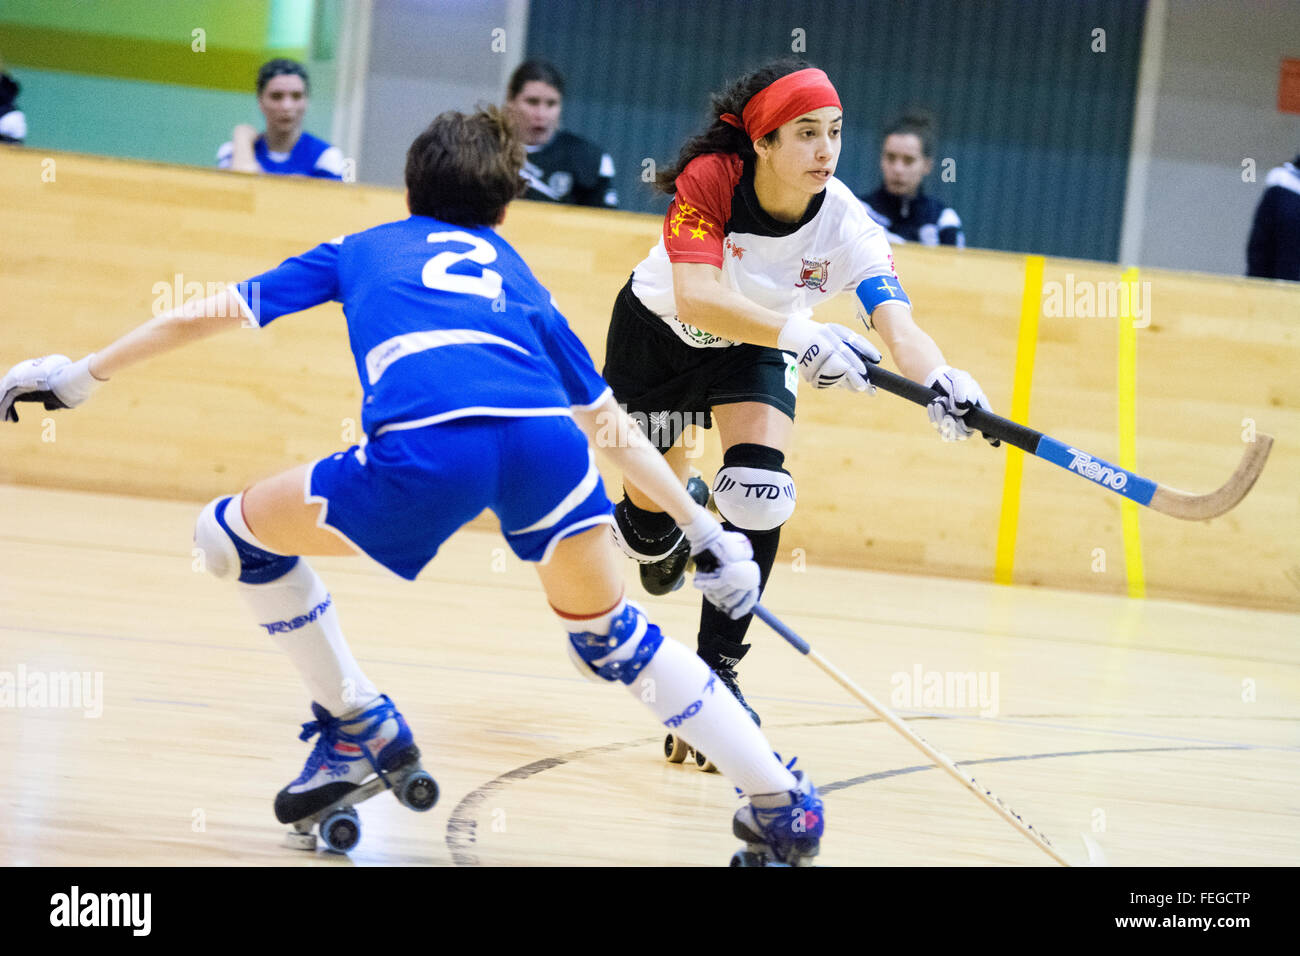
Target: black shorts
<point>667,384</point>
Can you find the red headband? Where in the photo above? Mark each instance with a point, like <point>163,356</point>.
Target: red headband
<point>781,101</point>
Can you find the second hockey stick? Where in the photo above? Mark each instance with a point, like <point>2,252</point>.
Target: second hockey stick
<point>1153,494</point>
<point>989,798</point>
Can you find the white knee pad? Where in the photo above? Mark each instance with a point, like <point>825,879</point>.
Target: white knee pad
<point>754,499</point>
<point>213,545</point>
<point>229,549</point>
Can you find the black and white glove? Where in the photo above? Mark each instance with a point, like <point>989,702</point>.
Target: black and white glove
<point>960,393</point>
<point>828,354</point>
<point>55,380</point>
<point>724,565</point>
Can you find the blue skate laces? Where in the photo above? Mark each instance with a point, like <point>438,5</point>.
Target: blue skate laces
<point>336,749</point>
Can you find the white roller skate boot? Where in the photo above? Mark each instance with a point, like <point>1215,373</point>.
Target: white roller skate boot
<point>356,756</point>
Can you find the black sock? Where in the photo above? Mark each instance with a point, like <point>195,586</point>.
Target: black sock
<point>720,638</point>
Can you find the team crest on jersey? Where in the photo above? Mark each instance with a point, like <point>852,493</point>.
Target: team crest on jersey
<point>814,274</point>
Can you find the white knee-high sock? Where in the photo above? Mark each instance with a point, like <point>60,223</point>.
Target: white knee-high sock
<point>297,612</point>
<point>680,684</point>
<point>677,684</point>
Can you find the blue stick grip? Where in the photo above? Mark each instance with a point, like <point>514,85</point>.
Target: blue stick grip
<point>1117,479</point>
<point>772,621</point>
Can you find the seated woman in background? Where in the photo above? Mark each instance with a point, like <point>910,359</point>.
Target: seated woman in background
<point>906,213</point>
<point>560,166</point>
<point>284,149</point>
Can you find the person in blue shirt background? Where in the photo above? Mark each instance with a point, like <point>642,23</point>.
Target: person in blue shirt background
<point>477,395</point>
<point>285,148</point>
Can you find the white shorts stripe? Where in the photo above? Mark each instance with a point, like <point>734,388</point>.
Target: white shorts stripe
<point>574,498</point>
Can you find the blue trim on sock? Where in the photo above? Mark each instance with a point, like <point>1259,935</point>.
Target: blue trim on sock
<point>256,566</point>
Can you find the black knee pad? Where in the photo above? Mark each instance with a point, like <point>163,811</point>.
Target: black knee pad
<point>644,535</point>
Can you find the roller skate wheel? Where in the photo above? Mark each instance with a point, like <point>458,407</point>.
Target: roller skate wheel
<point>675,749</point>
<point>341,830</point>
<point>419,791</point>
<point>704,763</point>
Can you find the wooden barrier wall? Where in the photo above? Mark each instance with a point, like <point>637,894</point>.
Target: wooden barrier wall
<point>90,247</point>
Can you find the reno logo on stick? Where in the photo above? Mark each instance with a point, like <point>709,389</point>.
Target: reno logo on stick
<point>1098,471</point>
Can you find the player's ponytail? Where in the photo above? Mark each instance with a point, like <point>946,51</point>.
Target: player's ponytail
<point>722,137</point>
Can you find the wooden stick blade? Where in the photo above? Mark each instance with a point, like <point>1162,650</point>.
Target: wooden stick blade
<point>1190,507</point>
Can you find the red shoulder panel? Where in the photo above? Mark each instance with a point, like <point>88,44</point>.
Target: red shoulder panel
<point>702,206</point>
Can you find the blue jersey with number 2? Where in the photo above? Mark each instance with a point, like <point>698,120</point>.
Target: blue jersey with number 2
<point>445,322</point>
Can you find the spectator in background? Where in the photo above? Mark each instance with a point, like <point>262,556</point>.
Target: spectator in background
<point>13,124</point>
<point>284,149</point>
<point>1273,251</point>
<point>559,166</point>
<point>899,205</point>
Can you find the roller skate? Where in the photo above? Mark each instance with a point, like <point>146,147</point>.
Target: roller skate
<point>780,829</point>
<point>677,750</point>
<point>355,758</point>
<point>667,574</point>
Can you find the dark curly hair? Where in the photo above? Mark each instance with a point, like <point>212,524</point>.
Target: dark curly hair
<point>464,169</point>
<point>722,137</point>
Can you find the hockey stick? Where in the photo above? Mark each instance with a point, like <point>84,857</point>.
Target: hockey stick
<point>884,713</point>
<point>1167,500</point>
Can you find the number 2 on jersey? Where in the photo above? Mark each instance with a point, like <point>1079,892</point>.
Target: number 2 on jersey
<point>436,276</point>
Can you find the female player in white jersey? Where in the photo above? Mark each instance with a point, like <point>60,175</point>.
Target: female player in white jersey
<point>476,395</point>
<point>715,324</point>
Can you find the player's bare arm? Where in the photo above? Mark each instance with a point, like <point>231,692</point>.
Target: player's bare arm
<point>704,302</point>
<point>196,319</point>
<point>912,349</point>
<point>58,382</point>
<point>918,357</point>
<point>640,462</point>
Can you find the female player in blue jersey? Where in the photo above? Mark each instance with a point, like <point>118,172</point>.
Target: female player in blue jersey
<point>476,395</point>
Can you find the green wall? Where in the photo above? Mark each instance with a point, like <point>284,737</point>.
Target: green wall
<point>131,78</point>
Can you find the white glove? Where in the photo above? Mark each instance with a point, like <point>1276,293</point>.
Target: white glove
<point>724,567</point>
<point>960,393</point>
<point>825,353</point>
<point>55,380</point>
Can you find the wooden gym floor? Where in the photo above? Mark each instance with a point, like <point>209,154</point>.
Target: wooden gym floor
<point>1167,731</point>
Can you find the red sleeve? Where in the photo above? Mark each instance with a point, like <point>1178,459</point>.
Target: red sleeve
<point>701,208</point>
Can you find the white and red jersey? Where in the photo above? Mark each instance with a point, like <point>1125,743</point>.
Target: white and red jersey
<point>715,218</point>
